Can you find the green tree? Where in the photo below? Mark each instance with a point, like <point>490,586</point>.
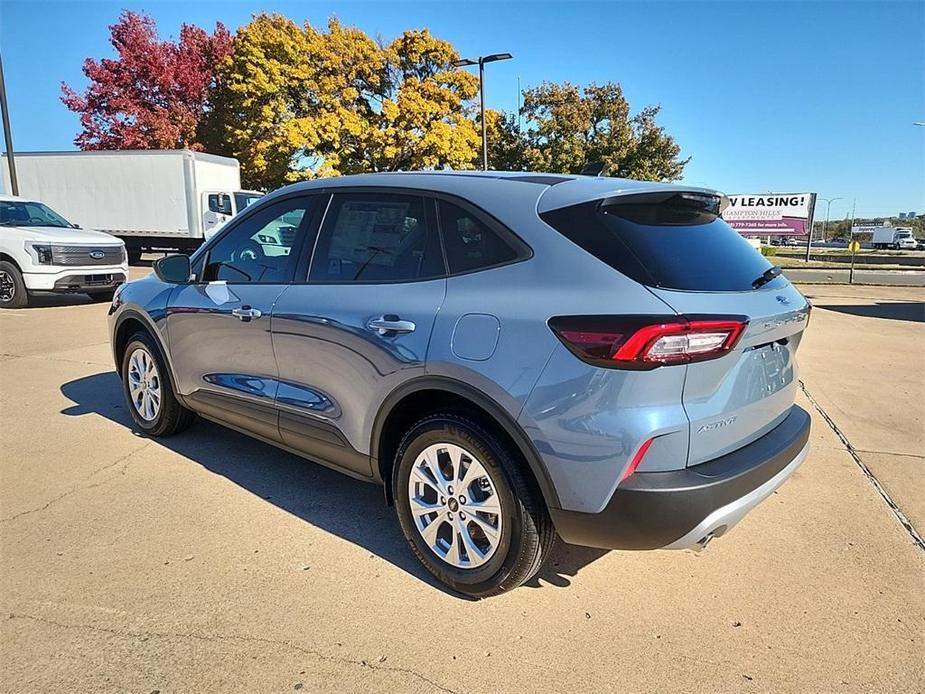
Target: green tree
<point>296,102</point>
<point>568,127</point>
<point>507,146</point>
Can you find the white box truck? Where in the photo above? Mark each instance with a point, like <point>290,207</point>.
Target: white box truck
<point>897,238</point>
<point>151,199</point>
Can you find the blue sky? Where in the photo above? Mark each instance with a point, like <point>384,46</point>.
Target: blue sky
<point>764,96</point>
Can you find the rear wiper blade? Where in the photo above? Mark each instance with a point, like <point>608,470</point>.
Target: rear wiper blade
<point>766,277</point>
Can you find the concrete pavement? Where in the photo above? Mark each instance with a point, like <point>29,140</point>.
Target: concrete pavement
<point>863,364</point>
<point>211,561</point>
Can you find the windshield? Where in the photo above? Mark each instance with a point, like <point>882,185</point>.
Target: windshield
<point>30,214</point>
<point>242,200</point>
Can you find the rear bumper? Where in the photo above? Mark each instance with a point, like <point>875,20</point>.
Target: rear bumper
<point>686,508</point>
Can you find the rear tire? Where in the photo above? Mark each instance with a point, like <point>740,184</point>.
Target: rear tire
<point>494,552</point>
<point>134,256</point>
<point>13,292</point>
<point>149,391</point>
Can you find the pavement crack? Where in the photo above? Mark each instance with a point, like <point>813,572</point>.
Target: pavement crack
<point>900,455</point>
<point>79,486</point>
<point>854,453</point>
<point>235,638</point>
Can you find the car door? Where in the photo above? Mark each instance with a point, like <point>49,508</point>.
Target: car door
<point>359,325</point>
<point>219,326</point>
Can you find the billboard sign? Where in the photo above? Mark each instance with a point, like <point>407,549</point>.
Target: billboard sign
<point>771,214</point>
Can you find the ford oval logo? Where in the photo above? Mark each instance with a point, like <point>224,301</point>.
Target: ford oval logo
<point>783,300</point>
<point>97,255</point>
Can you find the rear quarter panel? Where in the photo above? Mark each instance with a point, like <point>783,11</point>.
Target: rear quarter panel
<point>585,422</point>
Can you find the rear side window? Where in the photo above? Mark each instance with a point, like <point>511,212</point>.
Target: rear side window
<point>471,244</point>
<point>376,237</point>
<point>668,240</point>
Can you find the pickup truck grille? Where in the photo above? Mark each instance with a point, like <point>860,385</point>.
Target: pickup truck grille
<point>86,255</point>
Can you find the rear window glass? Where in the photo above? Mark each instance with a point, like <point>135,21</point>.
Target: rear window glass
<point>470,243</point>
<point>665,241</point>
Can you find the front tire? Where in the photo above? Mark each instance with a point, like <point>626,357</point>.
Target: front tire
<point>13,293</point>
<point>467,510</point>
<point>148,390</point>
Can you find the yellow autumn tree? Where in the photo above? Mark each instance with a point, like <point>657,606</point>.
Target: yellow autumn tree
<point>294,102</point>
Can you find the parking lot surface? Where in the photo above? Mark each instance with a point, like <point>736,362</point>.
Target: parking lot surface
<point>212,562</point>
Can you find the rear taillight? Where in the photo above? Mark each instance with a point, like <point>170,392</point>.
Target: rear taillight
<point>646,342</point>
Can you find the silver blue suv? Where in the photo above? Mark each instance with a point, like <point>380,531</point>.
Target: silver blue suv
<point>512,356</point>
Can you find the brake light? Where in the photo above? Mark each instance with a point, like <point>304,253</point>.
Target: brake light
<point>647,342</point>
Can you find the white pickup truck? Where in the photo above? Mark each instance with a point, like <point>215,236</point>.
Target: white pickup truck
<point>41,251</point>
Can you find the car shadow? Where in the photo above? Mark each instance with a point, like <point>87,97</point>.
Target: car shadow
<point>350,509</point>
<point>52,300</point>
<point>904,311</point>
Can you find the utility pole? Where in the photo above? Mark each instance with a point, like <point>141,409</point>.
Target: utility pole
<point>480,61</point>
<point>7,134</point>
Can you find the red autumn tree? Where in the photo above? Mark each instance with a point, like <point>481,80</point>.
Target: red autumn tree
<point>154,94</point>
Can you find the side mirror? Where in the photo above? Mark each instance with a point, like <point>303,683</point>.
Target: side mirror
<point>174,269</point>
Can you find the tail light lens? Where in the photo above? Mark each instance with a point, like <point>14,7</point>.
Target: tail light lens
<point>647,342</point>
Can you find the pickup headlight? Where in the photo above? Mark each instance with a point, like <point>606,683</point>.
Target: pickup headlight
<point>41,253</point>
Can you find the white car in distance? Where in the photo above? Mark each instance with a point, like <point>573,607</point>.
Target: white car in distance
<point>40,251</point>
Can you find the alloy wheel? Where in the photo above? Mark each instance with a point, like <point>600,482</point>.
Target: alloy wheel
<point>455,505</point>
<point>7,287</point>
<point>144,384</point>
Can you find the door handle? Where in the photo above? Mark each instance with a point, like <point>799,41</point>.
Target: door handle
<point>390,324</point>
<point>246,313</point>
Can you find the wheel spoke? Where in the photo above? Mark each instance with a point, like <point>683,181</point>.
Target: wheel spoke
<point>489,505</point>
<point>491,531</point>
<point>475,554</point>
<point>424,477</point>
<point>430,464</point>
<point>452,554</point>
<point>429,532</point>
<point>419,507</point>
<point>473,472</point>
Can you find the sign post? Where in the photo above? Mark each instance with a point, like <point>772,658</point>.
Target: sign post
<point>854,247</point>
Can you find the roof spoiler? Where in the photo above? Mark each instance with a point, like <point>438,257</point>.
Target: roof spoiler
<point>595,168</point>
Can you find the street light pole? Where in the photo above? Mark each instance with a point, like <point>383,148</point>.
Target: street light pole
<point>482,111</point>
<point>809,239</point>
<point>7,134</point>
<point>480,61</point>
